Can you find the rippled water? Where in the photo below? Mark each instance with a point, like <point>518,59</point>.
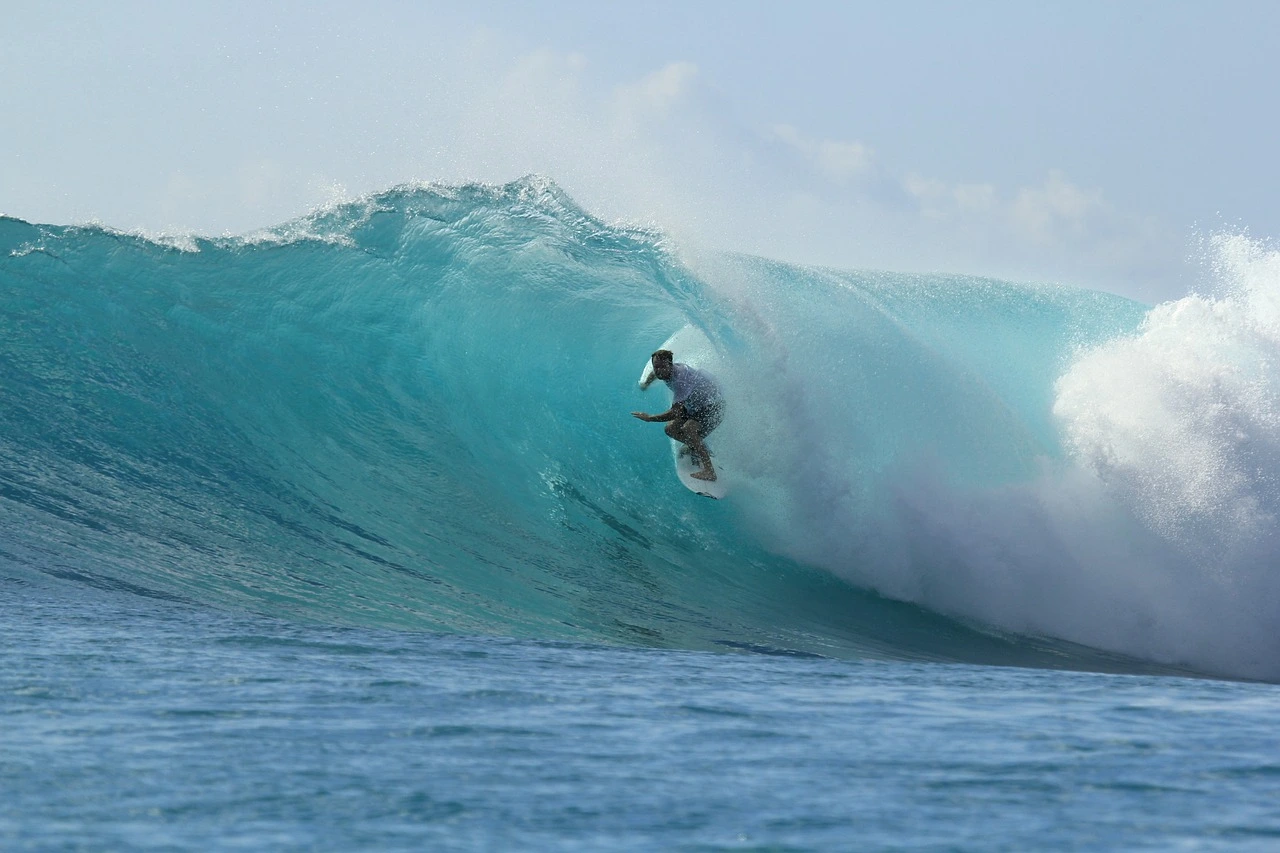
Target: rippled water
<point>136,724</point>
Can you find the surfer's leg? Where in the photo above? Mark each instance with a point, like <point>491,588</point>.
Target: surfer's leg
<point>689,433</point>
<point>692,431</point>
<point>677,431</point>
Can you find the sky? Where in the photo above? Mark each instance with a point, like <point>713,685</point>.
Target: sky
<point>1095,144</point>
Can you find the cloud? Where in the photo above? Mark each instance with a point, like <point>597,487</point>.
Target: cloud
<point>660,91</point>
<point>938,200</point>
<point>554,75</point>
<point>1053,229</point>
<point>1052,213</point>
<point>840,161</point>
<point>1057,208</point>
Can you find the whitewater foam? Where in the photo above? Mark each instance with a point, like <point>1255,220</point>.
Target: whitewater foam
<point>986,453</point>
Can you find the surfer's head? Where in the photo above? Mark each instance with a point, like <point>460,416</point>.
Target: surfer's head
<point>662,360</point>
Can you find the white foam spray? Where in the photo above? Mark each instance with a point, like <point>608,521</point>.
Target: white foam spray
<point>1150,530</point>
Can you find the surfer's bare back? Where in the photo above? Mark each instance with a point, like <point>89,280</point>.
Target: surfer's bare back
<point>697,407</point>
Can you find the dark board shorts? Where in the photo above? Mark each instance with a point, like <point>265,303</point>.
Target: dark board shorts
<point>708,415</point>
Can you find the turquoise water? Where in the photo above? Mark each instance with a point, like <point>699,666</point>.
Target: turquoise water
<point>341,535</point>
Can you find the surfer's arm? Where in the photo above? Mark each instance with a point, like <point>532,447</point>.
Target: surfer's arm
<point>644,386</point>
<point>670,414</point>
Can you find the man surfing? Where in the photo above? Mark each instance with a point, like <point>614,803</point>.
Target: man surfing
<point>697,408</point>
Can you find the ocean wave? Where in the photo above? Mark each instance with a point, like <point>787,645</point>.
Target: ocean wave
<point>411,411</point>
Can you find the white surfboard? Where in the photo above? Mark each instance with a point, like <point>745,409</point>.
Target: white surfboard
<point>692,347</point>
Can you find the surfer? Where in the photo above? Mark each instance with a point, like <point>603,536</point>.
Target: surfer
<point>696,408</point>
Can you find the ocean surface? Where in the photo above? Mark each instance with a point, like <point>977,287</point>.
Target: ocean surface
<point>341,536</point>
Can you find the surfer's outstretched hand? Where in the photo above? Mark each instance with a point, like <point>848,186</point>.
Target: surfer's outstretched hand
<point>644,416</point>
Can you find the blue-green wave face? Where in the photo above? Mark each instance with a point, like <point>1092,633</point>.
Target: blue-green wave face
<point>413,412</point>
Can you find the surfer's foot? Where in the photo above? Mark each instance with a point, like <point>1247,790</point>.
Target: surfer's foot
<point>709,476</point>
